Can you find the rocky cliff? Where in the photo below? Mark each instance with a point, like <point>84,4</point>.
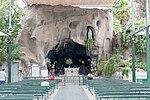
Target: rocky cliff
<point>44,26</point>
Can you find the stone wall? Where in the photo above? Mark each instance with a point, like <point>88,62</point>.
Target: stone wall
<point>44,26</point>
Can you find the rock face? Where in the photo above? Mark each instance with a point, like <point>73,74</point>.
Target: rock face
<point>44,26</point>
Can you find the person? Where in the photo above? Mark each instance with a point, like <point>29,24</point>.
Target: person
<point>52,77</point>
<point>48,67</point>
<point>44,83</point>
<point>90,76</point>
<point>2,77</point>
<point>52,72</point>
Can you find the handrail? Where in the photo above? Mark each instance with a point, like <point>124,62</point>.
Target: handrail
<point>141,29</point>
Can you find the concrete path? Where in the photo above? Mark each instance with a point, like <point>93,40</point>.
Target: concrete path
<point>71,92</point>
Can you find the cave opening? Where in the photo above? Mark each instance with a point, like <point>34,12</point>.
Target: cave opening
<point>69,54</point>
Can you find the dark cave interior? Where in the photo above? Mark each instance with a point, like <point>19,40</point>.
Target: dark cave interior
<point>69,49</point>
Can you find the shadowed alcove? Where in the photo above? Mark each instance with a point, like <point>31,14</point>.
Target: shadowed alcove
<point>68,49</point>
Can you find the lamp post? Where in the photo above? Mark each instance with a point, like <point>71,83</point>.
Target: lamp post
<point>147,42</point>
<point>9,42</point>
<point>9,60</point>
<point>133,45</point>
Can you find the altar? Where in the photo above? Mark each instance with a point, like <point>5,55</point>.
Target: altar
<point>71,71</point>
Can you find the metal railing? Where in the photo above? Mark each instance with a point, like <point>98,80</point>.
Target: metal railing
<point>80,80</point>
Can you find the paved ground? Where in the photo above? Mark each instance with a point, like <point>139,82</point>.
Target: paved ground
<point>71,92</point>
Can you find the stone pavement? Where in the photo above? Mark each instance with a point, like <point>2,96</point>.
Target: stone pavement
<point>71,92</point>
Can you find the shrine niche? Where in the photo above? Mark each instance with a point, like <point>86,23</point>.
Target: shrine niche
<point>61,31</point>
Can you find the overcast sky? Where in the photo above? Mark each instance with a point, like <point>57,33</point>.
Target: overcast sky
<point>21,3</point>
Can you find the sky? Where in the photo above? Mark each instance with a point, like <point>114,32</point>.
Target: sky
<point>21,3</point>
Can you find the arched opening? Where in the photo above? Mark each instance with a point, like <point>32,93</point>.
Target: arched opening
<point>68,49</point>
<point>90,33</point>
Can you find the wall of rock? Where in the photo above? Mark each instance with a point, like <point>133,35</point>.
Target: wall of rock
<point>44,26</point>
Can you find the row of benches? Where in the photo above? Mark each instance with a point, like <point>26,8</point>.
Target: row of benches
<point>109,88</point>
<point>27,90</point>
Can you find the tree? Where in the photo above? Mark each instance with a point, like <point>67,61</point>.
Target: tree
<point>17,13</point>
<point>122,28</point>
<point>121,23</point>
<point>122,12</point>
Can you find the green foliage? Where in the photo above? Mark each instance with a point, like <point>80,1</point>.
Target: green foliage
<point>122,11</point>
<point>105,68</point>
<point>123,30</point>
<point>117,26</point>
<point>109,67</point>
<point>3,7</point>
<point>3,50</point>
<point>140,24</point>
<point>124,38</point>
<point>69,61</point>
<point>141,64</point>
<point>125,71</point>
<point>140,43</point>
<point>89,43</point>
<point>16,24</point>
<point>121,23</point>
